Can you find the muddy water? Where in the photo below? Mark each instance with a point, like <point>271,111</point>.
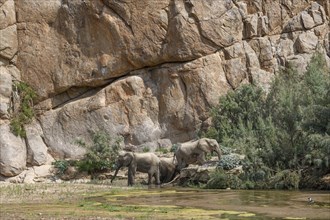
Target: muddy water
<point>223,204</point>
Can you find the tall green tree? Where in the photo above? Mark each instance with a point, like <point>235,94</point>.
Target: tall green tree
<point>316,120</point>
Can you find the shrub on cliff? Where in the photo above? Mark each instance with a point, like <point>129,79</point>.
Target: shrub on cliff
<point>23,112</point>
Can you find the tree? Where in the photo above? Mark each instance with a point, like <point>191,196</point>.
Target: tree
<point>284,130</point>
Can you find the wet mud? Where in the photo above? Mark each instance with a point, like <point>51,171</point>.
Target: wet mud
<point>227,204</point>
<point>94,201</point>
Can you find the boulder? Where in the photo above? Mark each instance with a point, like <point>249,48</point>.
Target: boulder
<point>327,44</point>
<point>36,174</point>
<point>13,179</point>
<point>318,13</point>
<point>32,11</point>
<point>285,47</point>
<point>5,91</point>
<point>36,148</point>
<point>261,77</point>
<point>307,20</point>
<point>273,11</point>
<point>251,26</point>
<point>12,152</point>
<point>29,176</point>
<point>263,49</point>
<point>8,43</point>
<point>195,175</point>
<point>7,15</point>
<point>306,42</point>
<point>221,23</point>
<point>236,71</point>
<point>299,61</point>
<point>255,25</point>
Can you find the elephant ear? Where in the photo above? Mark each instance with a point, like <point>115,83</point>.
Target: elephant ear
<point>204,142</point>
<point>128,158</point>
<point>211,142</point>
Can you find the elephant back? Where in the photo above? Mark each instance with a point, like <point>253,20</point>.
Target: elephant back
<point>146,161</point>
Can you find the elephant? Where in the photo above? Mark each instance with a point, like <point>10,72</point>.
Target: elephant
<point>168,169</point>
<point>141,162</point>
<point>195,151</point>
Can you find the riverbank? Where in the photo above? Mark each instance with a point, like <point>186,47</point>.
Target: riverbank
<point>100,200</point>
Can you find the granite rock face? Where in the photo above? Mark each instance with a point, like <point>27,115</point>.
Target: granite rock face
<point>146,70</point>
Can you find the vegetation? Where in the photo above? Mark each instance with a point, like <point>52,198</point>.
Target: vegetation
<point>61,166</point>
<point>100,155</point>
<point>163,150</point>
<point>221,180</point>
<point>24,113</point>
<point>283,132</point>
<point>174,147</point>
<point>146,149</point>
<point>229,161</point>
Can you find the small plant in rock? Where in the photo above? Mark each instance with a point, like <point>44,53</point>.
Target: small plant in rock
<point>146,149</point>
<point>61,166</point>
<point>24,95</point>
<point>174,147</point>
<point>101,154</point>
<point>162,150</point>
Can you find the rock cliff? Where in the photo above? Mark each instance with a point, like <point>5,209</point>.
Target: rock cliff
<point>147,70</point>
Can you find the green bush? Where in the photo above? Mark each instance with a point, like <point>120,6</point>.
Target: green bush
<point>100,155</point>
<point>25,112</point>
<point>174,147</point>
<point>219,179</point>
<point>62,165</point>
<point>229,162</point>
<point>285,179</point>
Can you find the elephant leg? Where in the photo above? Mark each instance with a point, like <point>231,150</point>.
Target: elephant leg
<point>130,179</point>
<point>131,176</point>
<point>149,178</point>
<point>201,158</point>
<point>157,176</point>
<point>182,165</point>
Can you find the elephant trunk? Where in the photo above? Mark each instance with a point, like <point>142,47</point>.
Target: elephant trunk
<point>114,176</point>
<point>218,152</point>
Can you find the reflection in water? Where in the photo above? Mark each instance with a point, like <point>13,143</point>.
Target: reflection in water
<point>221,204</point>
